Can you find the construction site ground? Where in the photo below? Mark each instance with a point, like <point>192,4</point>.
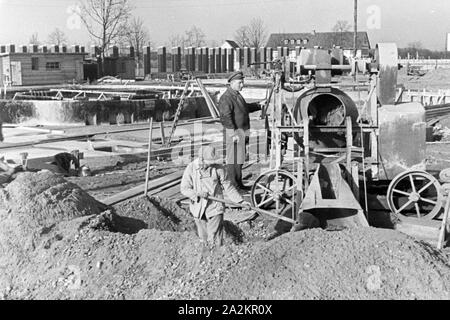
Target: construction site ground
<point>59,241</point>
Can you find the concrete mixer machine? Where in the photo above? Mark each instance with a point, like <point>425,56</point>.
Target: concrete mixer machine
<point>329,141</point>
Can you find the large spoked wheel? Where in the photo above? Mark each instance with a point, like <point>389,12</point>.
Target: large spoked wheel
<point>275,189</point>
<point>415,194</point>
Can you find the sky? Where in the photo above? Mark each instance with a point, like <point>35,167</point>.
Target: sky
<point>400,21</point>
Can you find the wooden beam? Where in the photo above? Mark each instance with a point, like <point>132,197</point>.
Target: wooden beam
<point>133,192</point>
<point>443,230</point>
<point>147,173</point>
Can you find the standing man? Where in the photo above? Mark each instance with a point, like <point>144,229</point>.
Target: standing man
<point>234,115</point>
<point>202,178</point>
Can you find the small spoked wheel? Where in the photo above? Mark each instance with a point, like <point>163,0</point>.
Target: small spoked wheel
<point>275,189</point>
<point>415,194</point>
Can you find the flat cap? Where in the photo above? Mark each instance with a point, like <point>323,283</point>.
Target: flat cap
<point>238,75</point>
<point>208,153</point>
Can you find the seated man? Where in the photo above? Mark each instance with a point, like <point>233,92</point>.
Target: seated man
<point>64,161</point>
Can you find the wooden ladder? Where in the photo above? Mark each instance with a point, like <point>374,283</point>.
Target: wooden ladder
<point>177,114</point>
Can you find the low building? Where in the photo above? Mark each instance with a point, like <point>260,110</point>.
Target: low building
<point>229,44</point>
<point>325,40</point>
<point>39,68</point>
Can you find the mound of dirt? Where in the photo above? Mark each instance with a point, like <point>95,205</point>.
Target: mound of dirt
<point>93,264</point>
<point>141,213</point>
<point>437,75</point>
<point>34,203</point>
<point>44,198</point>
<point>164,215</point>
<point>74,251</point>
<point>315,264</point>
<point>433,80</point>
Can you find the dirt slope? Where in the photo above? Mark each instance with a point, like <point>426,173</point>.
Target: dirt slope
<point>57,242</point>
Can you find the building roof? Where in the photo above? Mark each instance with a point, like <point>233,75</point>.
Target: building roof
<point>43,54</point>
<point>231,43</point>
<point>325,40</point>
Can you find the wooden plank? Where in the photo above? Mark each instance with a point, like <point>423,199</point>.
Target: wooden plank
<point>90,133</point>
<point>443,230</point>
<point>349,138</point>
<point>147,172</point>
<point>130,193</point>
<point>209,102</point>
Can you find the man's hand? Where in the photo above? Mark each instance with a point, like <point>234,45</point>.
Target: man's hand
<point>246,205</point>
<point>238,135</point>
<point>202,194</point>
<point>262,103</point>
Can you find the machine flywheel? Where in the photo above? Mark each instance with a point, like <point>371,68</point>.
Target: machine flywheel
<point>415,194</point>
<point>274,189</point>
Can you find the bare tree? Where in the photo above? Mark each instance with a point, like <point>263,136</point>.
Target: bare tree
<point>415,48</point>
<point>177,40</point>
<point>194,37</point>
<point>342,26</point>
<point>57,37</point>
<point>135,35</point>
<point>241,36</point>
<point>252,35</point>
<point>34,39</point>
<point>257,33</point>
<point>105,20</point>
<point>415,45</point>
<point>214,43</point>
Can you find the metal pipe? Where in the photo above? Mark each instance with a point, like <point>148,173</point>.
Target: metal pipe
<point>342,67</point>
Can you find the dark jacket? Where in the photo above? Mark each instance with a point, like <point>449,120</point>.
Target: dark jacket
<point>65,160</point>
<point>234,111</point>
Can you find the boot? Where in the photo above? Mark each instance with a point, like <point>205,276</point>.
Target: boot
<point>238,171</point>
<point>231,175</point>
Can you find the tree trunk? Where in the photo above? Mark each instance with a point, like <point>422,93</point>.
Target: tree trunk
<point>102,64</point>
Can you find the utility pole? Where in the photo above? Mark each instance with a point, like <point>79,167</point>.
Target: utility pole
<point>355,36</point>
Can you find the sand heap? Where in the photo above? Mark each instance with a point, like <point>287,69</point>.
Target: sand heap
<point>57,242</point>
<point>154,213</point>
<point>164,215</point>
<point>440,75</point>
<point>362,263</point>
<point>34,203</point>
<point>433,80</point>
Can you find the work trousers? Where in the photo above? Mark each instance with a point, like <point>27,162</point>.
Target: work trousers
<point>210,230</point>
<point>234,174</point>
<point>236,155</point>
